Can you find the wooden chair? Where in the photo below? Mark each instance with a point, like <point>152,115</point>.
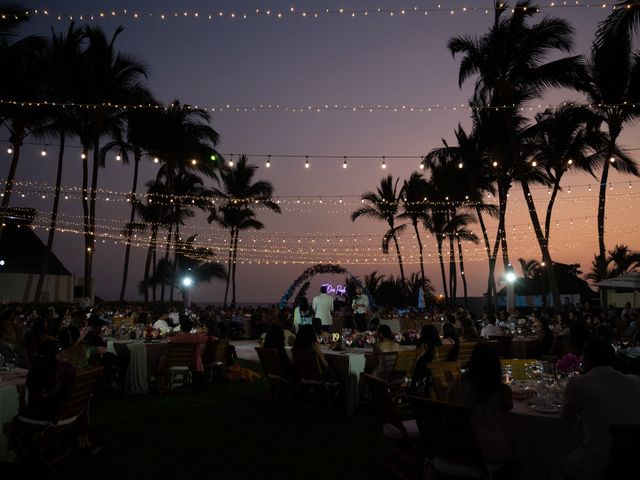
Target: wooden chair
<point>451,446</point>
<point>281,386</point>
<point>407,457</point>
<point>177,372</point>
<point>386,365</point>
<point>502,345</point>
<point>464,353</point>
<point>441,353</point>
<point>214,359</point>
<point>403,368</point>
<point>51,442</point>
<point>442,374</point>
<point>625,444</point>
<point>317,392</point>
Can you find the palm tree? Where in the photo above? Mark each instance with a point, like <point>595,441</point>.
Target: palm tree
<point>109,77</point>
<point>240,196</point>
<point>623,19</point>
<point>413,194</point>
<point>457,231</point>
<point>139,135</point>
<point>383,205</point>
<point>63,71</point>
<point>530,268</point>
<point>508,62</point>
<point>612,85</point>
<point>623,260</point>
<point>372,283</point>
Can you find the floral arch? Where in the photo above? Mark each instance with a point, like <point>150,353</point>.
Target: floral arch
<point>305,279</point>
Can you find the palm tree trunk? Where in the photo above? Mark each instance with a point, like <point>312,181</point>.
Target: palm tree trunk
<point>137,155</point>
<point>234,264</point>
<point>85,213</point>
<point>453,275</point>
<point>602,200</point>
<point>444,276</point>
<point>166,260</point>
<point>54,217</point>
<point>552,200</point>
<point>153,268</point>
<point>226,290</point>
<point>8,187</point>
<point>147,264</point>
<point>415,227</point>
<point>91,239</point>
<point>491,286</point>
<point>395,240</point>
<point>176,238</point>
<point>544,247</point>
<point>462,273</point>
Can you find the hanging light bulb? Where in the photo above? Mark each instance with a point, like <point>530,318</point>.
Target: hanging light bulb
<point>118,158</point>
<point>306,164</point>
<point>495,164</point>
<point>384,163</point>
<point>612,159</point>
<point>340,201</point>
<point>460,165</point>
<point>589,187</point>
<point>534,164</point>
<point>344,164</point>
<point>570,161</point>
<point>83,156</point>
<point>422,164</point>
<point>9,150</point>
<point>194,161</point>
<point>156,160</point>
<point>231,160</point>
<point>268,164</point>
<point>569,191</point>
<point>43,153</point>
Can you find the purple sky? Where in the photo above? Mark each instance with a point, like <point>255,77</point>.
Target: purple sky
<point>330,60</point>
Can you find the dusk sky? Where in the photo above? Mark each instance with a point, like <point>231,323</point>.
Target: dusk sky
<point>294,61</point>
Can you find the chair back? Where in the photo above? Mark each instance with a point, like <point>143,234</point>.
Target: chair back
<point>383,401</point>
<point>502,345</point>
<point>221,351</point>
<point>386,364</point>
<point>209,354</point>
<point>442,373</point>
<point>406,361</point>
<point>441,353</point>
<point>464,353</point>
<point>180,354</point>
<point>306,363</point>
<point>78,399</point>
<point>270,361</point>
<point>625,444</point>
<point>447,435</point>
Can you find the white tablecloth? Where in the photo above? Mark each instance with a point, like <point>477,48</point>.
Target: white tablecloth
<point>9,405</point>
<point>349,367</point>
<point>538,438</point>
<point>143,359</point>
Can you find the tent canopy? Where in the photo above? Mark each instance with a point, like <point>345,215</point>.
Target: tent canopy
<point>629,280</point>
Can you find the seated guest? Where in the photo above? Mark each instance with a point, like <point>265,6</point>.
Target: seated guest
<point>421,376</point>
<point>92,337</point>
<point>481,389</point>
<point>73,351</point>
<point>450,337</point>
<point>386,344</point>
<point>49,382</point>
<point>599,398</point>
<point>307,340</point>
<point>469,332</point>
<point>275,338</point>
<point>11,352</point>
<point>545,338</point>
<point>162,325</point>
<point>490,328</point>
<point>185,336</point>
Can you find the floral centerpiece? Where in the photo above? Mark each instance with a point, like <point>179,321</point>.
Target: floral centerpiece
<point>409,337</point>
<point>568,364</point>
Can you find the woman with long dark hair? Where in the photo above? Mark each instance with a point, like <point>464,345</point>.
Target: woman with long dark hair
<point>481,389</point>
<point>421,381</point>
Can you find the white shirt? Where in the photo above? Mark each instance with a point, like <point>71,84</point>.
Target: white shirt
<point>601,398</point>
<point>323,306</point>
<point>360,304</point>
<point>174,317</point>
<point>162,325</point>
<point>490,330</point>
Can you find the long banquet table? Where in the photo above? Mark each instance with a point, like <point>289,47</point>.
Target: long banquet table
<point>12,392</point>
<point>143,361</point>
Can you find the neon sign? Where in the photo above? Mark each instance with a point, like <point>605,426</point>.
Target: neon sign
<point>338,289</point>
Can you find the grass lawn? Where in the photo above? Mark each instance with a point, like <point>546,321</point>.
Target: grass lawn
<point>226,431</point>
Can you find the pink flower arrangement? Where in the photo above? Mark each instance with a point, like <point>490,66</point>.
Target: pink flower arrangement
<point>410,337</point>
<point>568,363</point>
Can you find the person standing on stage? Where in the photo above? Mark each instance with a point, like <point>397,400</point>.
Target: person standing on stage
<point>322,307</point>
<point>360,307</point>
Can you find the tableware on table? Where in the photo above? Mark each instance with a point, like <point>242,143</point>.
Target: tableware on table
<point>545,408</point>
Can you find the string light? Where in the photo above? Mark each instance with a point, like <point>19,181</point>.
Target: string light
<point>231,160</point>
<point>495,164</point>
<point>83,156</point>
<point>384,163</point>
<point>156,160</point>
<point>460,165</point>
<point>118,158</point>
<point>9,150</point>
<point>268,164</point>
<point>306,163</point>
<point>422,164</point>
<point>278,14</point>
<point>195,162</point>
<point>344,164</point>
<point>612,159</point>
<point>43,153</point>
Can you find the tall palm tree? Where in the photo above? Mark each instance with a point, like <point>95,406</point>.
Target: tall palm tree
<point>372,283</point>
<point>139,135</point>
<point>612,84</point>
<point>239,192</point>
<point>530,268</point>
<point>623,260</point>
<point>510,69</point>
<point>63,72</point>
<point>383,205</point>
<point>458,232</point>
<point>416,210</point>
<point>109,77</point>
